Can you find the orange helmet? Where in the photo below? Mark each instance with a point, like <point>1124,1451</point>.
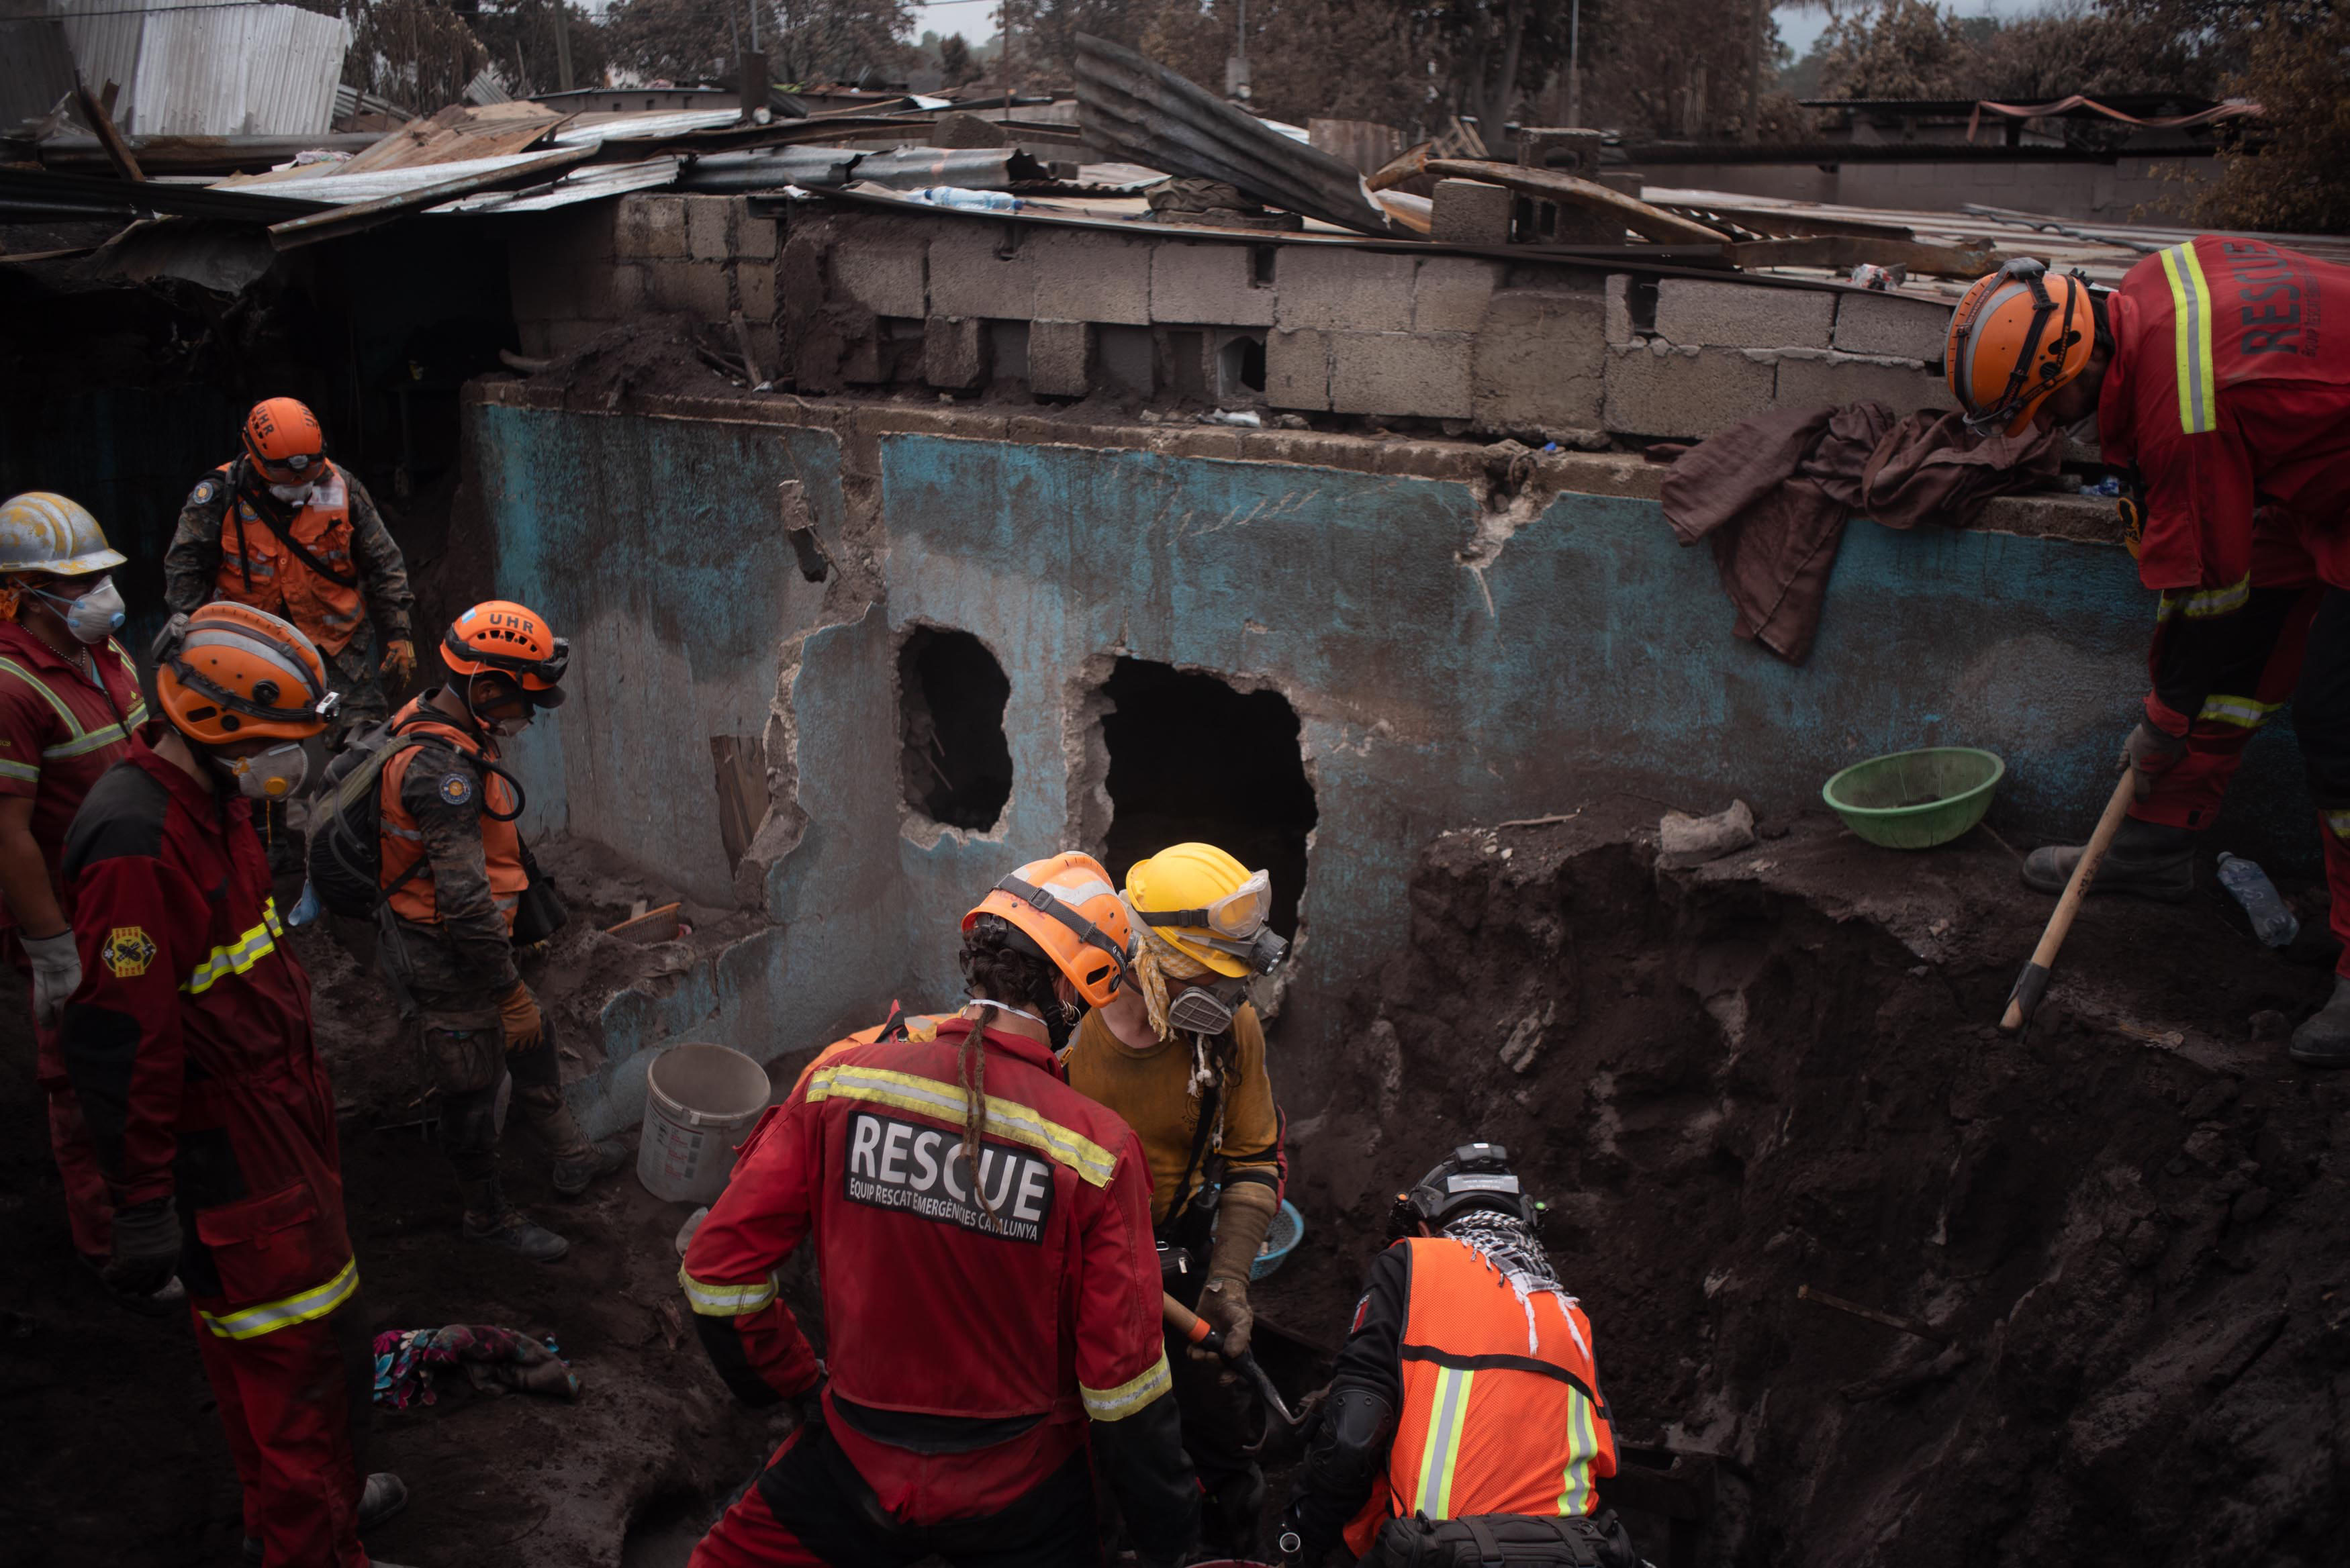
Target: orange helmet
<point>500,637</point>
<point>231,673</point>
<point>2016,337</point>
<point>283,439</point>
<point>1067,909</point>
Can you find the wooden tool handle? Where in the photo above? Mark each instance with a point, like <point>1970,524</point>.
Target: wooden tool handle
<point>2026,996</point>
<point>1189,1326</point>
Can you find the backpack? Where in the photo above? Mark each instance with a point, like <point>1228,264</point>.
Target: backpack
<point>347,827</point>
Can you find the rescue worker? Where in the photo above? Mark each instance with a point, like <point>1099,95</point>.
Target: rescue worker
<point>282,528</point>
<point>68,700</point>
<point>1466,1391</point>
<point>189,1043</point>
<point>982,1249</point>
<point>454,873</point>
<point>1180,1056</point>
<point>2210,378</point>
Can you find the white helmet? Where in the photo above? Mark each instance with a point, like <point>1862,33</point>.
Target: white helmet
<point>41,531</point>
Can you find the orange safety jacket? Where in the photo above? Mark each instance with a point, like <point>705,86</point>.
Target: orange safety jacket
<point>403,838</point>
<point>260,569</point>
<point>1485,1427</point>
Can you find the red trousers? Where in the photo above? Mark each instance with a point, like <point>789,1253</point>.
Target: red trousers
<point>294,1404</point>
<point>2290,643</point>
<point>810,1508</point>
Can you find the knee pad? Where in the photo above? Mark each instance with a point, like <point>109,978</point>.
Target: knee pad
<point>1350,1447</point>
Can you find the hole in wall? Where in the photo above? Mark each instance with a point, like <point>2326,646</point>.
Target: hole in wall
<point>1240,365</point>
<point>1261,264</point>
<point>953,760</point>
<point>1192,758</point>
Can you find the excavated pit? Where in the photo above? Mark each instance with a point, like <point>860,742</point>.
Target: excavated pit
<point>1776,1072</point>
<point>2122,1237</point>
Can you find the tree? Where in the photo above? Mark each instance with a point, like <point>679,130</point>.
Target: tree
<point>806,42</point>
<point>520,38</point>
<point>1897,49</point>
<point>955,63</point>
<point>672,40</point>
<point>419,55</point>
<point>2297,68</point>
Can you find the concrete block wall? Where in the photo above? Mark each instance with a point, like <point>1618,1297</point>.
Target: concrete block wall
<point>1478,345</point>
<point>1715,353</point>
<point>575,272</point>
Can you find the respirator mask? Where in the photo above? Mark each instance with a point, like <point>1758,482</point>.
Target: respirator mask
<point>94,617</point>
<point>1207,1008</point>
<point>273,774</point>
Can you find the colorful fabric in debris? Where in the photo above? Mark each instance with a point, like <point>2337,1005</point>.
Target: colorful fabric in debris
<point>408,1361</point>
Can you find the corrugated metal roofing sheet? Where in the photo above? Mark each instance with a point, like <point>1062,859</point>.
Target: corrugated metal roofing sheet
<point>224,70</point>
<point>588,130</point>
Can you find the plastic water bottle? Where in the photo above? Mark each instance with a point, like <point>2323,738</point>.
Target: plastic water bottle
<point>967,200</point>
<point>2271,921</point>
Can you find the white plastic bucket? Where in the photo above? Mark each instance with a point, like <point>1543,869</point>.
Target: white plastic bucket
<point>698,1102</point>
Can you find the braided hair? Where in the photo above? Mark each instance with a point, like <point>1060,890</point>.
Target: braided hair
<point>997,969</point>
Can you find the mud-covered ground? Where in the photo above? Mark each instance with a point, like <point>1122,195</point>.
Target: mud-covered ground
<point>2125,1235</point>
<point>108,1432</point>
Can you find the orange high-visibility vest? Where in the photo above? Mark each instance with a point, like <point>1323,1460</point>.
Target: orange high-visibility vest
<point>404,842</point>
<point>1487,1428</point>
<point>268,576</point>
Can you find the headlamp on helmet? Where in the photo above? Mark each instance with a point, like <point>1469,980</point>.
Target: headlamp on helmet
<point>1477,1176</point>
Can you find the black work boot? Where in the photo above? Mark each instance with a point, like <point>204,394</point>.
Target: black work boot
<point>599,1158</point>
<point>2325,1040</point>
<point>384,1495</point>
<point>494,1222</point>
<point>2146,858</point>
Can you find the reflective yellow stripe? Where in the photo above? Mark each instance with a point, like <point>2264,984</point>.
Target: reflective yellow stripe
<point>239,955</point>
<point>726,1300</point>
<point>2242,711</point>
<point>307,1306</point>
<point>2338,824</point>
<point>1575,1496</point>
<point>26,770</point>
<point>104,735</point>
<point>1005,1118</point>
<point>1129,1396</point>
<point>72,724</point>
<point>2190,299</point>
<point>1443,1450</point>
<point>2205,602</point>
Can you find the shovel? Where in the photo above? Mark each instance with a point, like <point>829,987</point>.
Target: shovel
<point>1193,1329</point>
<point>2032,983</point>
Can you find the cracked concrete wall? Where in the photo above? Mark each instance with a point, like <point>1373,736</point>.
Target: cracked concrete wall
<point>1463,646</point>
<point>655,547</point>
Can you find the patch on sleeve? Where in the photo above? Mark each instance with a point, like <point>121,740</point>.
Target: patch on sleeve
<point>1362,1310</point>
<point>457,789</point>
<point>202,493</point>
<point>128,952</point>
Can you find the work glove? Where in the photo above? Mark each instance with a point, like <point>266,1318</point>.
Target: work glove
<point>519,1016</point>
<point>147,1243</point>
<point>1242,1216</point>
<point>399,660</point>
<point>2151,751</point>
<point>56,974</point>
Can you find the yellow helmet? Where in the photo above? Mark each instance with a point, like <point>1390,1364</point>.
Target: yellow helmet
<point>1208,907</point>
<point>41,531</point>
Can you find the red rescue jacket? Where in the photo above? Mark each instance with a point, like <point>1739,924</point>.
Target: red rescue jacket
<point>966,1353</point>
<point>189,1044</point>
<point>2230,390</point>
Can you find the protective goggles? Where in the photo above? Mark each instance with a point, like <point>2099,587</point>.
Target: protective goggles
<point>2032,363</point>
<point>294,469</point>
<point>549,670</point>
<point>1235,923</point>
<point>1208,1008</point>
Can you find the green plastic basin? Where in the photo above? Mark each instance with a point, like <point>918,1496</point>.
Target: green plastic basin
<point>1915,800</point>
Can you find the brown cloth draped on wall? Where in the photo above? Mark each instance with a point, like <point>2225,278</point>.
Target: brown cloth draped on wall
<point>1771,495</point>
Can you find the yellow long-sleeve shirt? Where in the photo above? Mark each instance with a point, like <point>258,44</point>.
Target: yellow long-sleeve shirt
<point>1152,1093</point>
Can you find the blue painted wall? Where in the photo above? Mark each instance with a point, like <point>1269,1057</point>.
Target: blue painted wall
<point>1593,653</point>
<point>656,546</point>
